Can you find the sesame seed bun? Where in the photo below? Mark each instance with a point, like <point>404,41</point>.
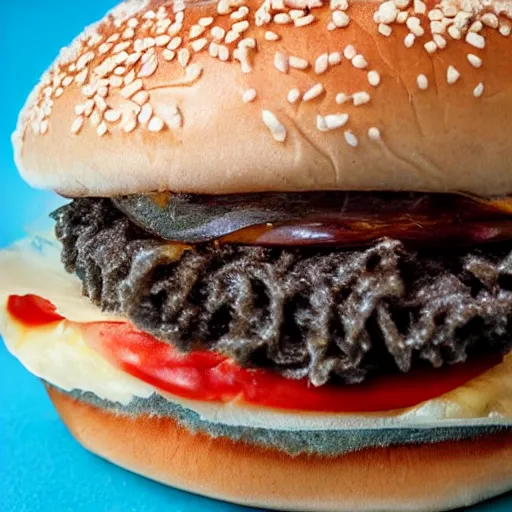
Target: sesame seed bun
<point>209,97</point>
<point>427,477</point>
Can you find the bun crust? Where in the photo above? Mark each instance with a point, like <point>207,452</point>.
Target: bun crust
<point>439,114</point>
<point>426,477</point>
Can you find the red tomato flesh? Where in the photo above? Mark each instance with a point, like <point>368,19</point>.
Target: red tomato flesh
<point>207,376</point>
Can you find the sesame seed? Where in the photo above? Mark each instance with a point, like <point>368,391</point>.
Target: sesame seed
<point>490,20</point>
<point>430,46</point>
<point>223,7</point>
<point>277,130</point>
<point>231,36</point>
<point>374,134</point>
<point>249,95</point>
<point>130,125</point>
<point>439,40</point>
<point>359,62</point>
<point>452,75</point>
<point>419,7</point>
<point>118,48</point>
<point>334,58</point>
<point>349,52</point>
<point>156,124</point>
<point>298,62</point>
<point>213,49</point>
<point>129,78</point>
<point>341,98</point>
<point>422,82</point>
<point>409,40</point>
<point>162,40</point>
<point>102,129</point>
<point>77,125</point>
<point>282,18</point>
<point>242,12</point>
<point>95,118</point>
<point>112,115</point>
<point>449,10</point>
<point>474,60</point>
<point>505,28</point>
<point>206,21</point>
<point>454,32</point>
<point>247,42</point>
<point>89,105</point>
<point>313,92</point>
<point>476,26</point>
<point>271,36</point>
<point>174,43</point>
<point>81,77</point>
<point>281,62</point>
<point>475,40</point>
<point>331,26</point>
<point>373,78</point>
<point>293,95</point>
<point>386,13</point>
<point>436,27</point>
<point>199,44</point>
<point>478,90</point>
<point>414,25</point>
<point>43,129</point>
<point>223,52</point>
<point>401,17</point>
<point>306,20</point>
<point>128,91</point>
<point>385,30</point>
<point>435,15</point>
<point>148,68</point>
<point>241,26</point>
<point>322,63</point>
<point>296,13</point>
<point>340,19</point>
<point>218,33</point>
<point>183,57</point>
<point>145,114</point>
<point>67,81</point>
<point>193,72</point>
<point>351,139</point>
<point>331,121</point>
<point>360,98</point>
<point>168,54</point>
<point>84,60</point>
<point>141,98</point>
<point>59,92</point>
<point>100,103</point>
<point>196,31</point>
<point>338,4</point>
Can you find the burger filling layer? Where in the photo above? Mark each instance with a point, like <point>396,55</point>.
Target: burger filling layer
<point>328,315</point>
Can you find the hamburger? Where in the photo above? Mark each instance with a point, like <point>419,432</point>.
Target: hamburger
<point>283,277</point>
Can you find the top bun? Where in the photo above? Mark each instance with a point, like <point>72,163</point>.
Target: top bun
<point>277,95</point>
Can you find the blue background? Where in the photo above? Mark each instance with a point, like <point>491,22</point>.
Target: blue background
<point>41,467</point>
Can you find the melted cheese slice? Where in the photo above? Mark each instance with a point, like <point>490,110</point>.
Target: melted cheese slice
<point>59,354</point>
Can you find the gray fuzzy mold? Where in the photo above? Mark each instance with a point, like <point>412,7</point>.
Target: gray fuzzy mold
<point>327,443</point>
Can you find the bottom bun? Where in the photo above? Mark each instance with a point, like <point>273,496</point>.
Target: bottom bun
<point>428,477</point>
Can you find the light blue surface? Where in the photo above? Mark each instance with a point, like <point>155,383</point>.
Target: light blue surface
<point>42,469</point>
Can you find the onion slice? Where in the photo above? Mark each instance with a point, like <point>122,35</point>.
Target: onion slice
<point>336,219</point>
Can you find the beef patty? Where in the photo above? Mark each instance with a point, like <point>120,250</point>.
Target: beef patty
<point>330,315</point>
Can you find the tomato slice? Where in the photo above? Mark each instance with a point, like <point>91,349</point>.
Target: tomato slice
<point>32,310</point>
<point>213,377</point>
<point>208,376</point>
